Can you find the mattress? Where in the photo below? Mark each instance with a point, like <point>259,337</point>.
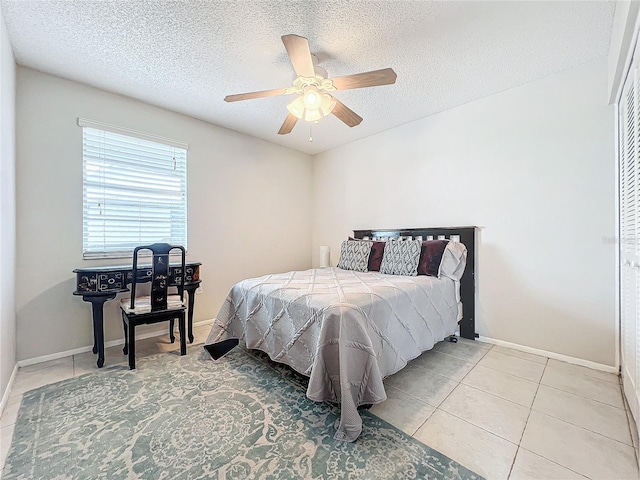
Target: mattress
<point>345,330</point>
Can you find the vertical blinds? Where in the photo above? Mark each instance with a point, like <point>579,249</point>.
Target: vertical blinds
<point>134,193</point>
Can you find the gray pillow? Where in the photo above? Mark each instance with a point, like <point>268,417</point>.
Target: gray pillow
<point>354,255</point>
<point>401,257</point>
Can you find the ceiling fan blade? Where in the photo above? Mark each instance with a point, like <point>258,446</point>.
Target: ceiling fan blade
<point>300,55</point>
<point>386,76</point>
<point>250,95</point>
<point>345,114</point>
<point>288,124</point>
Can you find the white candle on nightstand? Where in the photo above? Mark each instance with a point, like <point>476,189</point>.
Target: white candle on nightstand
<point>325,256</point>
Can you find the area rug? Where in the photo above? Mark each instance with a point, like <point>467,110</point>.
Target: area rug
<point>241,417</point>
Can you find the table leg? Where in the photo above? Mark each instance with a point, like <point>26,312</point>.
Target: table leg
<point>95,339</point>
<point>191,290</point>
<point>97,313</point>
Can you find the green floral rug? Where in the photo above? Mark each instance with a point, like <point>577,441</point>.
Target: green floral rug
<point>189,417</point>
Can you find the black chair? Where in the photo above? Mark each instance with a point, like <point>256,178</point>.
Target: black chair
<point>159,306</point>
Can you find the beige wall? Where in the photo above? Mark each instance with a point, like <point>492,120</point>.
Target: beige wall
<point>535,167</point>
<point>249,207</point>
<point>7,209</point>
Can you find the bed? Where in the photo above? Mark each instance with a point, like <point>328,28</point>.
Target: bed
<point>348,330</point>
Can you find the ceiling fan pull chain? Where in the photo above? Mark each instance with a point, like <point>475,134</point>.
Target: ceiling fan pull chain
<point>310,136</point>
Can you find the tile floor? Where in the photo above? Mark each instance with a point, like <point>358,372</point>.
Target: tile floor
<point>500,412</point>
<point>508,414</point>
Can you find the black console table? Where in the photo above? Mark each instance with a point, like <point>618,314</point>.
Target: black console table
<point>98,285</point>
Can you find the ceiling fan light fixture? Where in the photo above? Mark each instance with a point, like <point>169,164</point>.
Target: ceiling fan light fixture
<point>297,108</point>
<point>311,105</point>
<point>312,98</point>
<point>312,115</point>
<point>327,104</point>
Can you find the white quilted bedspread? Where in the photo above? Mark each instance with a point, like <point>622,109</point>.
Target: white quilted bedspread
<point>346,330</point>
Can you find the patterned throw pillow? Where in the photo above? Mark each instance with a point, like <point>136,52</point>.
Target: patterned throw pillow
<point>354,255</point>
<point>401,257</point>
<point>375,257</point>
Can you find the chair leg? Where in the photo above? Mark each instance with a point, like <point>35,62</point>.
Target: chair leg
<point>183,337</point>
<point>132,345</point>
<point>125,350</point>
<point>172,336</point>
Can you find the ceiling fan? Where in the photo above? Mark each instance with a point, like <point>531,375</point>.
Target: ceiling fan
<point>312,86</point>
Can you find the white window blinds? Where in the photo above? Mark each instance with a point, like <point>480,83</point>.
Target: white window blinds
<point>135,193</point>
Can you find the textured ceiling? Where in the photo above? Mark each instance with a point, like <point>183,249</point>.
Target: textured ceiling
<point>186,56</point>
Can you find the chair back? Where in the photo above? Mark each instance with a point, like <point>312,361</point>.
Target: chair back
<point>160,274</point>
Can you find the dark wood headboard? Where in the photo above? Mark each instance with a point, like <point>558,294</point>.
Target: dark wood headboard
<point>467,236</point>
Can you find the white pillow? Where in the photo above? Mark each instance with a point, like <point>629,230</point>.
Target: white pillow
<point>454,260</point>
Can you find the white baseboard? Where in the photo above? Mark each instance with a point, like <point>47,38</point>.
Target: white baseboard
<point>7,391</point>
<point>555,356</point>
<point>88,348</point>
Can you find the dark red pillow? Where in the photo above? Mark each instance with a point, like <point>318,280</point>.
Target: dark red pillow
<point>430,257</point>
<point>375,257</point>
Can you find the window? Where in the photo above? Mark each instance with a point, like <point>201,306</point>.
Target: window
<point>134,190</point>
